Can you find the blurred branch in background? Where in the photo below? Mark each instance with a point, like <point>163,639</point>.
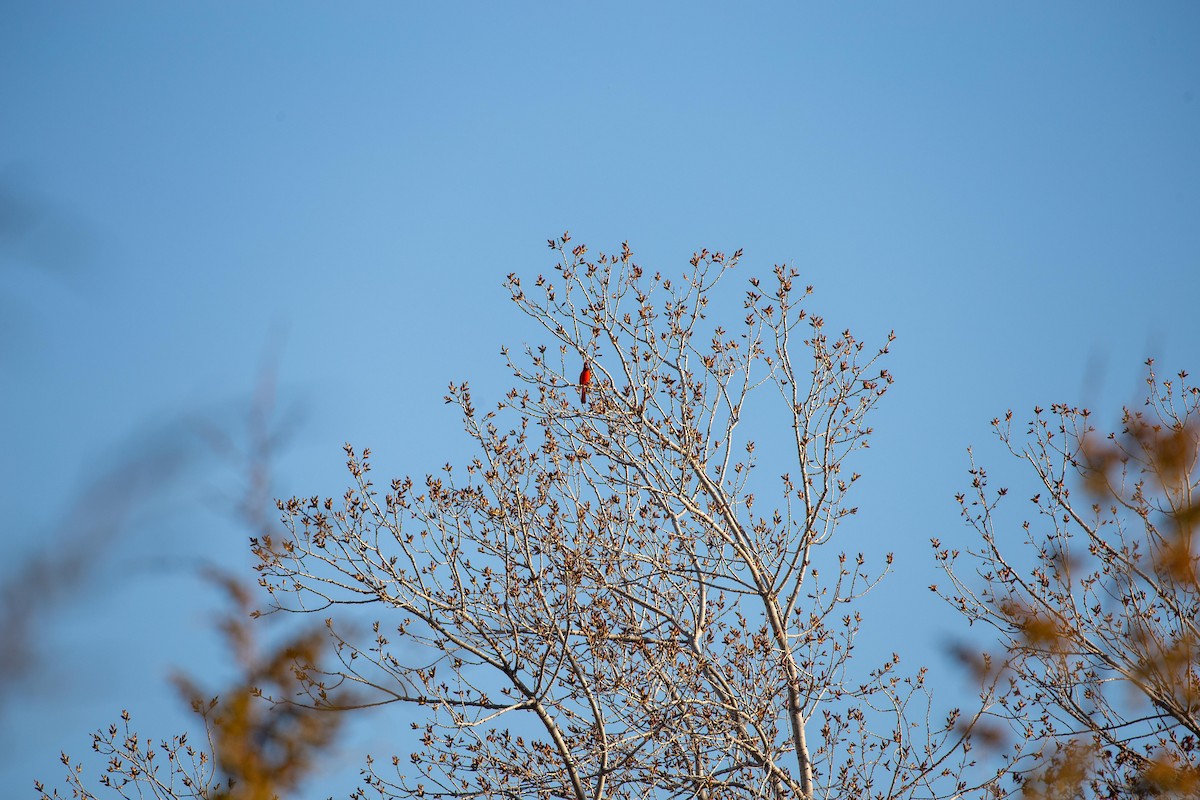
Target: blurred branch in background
<point>264,741</point>
<point>258,743</point>
<point>252,449</point>
<point>1097,611</point>
<point>41,234</point>
<point>76,549</point>
<point>262,736</point>
<point>79,549</point>
<point>36,231</point>
<point>38,235</point>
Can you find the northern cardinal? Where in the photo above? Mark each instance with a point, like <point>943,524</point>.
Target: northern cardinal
<point>585,379</point>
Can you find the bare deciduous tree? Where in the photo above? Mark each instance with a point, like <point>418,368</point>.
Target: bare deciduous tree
<point>604,603</point>
<point>1097,610</point>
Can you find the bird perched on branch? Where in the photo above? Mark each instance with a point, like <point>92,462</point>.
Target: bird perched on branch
<point>585,379</point>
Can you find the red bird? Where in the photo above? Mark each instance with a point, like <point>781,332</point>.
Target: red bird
<point>585,379</point>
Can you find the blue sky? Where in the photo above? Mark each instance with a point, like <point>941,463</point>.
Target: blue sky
<point>194,190</point>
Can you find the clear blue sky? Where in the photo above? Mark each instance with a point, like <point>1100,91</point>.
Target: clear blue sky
<point>186,189</point>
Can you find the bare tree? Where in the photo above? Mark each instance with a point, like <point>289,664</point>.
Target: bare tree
<point>603,603</point>
<point>1097,609</point>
